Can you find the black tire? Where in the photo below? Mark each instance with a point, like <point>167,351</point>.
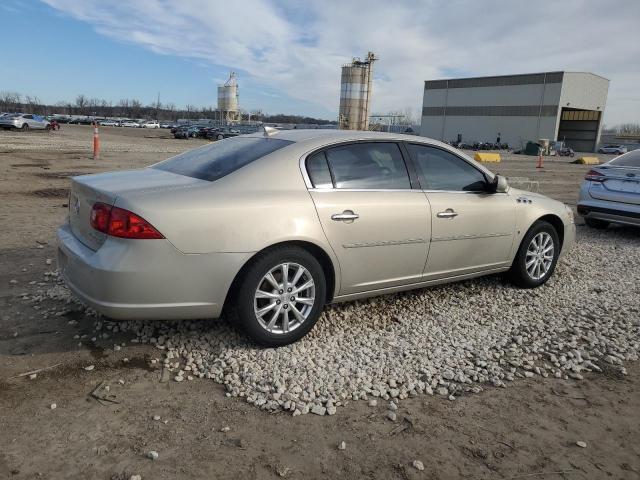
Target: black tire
<point>25,127</point>
<point>518,274</point>
<point>252,278</point>
<point>595,223</point>
<point>220,137</point>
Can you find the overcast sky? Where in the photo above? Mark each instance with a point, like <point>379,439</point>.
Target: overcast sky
<point>288,52</point>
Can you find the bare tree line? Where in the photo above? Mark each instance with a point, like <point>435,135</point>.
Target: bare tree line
<point>130,108</point>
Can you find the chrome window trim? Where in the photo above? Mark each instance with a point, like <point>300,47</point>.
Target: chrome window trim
<point>333,190</point>
<point>422,141</point>
<point>475,192</point>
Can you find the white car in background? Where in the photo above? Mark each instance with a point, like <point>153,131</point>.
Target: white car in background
<point>151,124</point>
<point>614,149</point>
<point>109,123</point>
<point>130,123</point>
<point>24,121</point>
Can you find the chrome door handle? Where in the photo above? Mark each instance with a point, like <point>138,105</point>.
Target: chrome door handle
<point>346,216</point>
<point>448,213</point>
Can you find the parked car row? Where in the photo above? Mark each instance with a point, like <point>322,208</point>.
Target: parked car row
<point>133,124</point>
<point>203,131</point>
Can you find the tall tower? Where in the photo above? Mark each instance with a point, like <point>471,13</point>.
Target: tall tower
<point>355,94</point>
<point>228,99</point>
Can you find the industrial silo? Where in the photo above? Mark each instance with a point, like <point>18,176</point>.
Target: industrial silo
<point>228,99</point>
<point>355,94</point>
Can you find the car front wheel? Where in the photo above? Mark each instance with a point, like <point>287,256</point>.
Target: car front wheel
<point>537,256</point>
<point>280,296</point>
<point>25,127</point>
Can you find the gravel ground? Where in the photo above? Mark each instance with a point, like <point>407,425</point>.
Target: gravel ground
<point>446,341</point>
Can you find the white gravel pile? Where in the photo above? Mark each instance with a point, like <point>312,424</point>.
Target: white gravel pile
<point>444,340</point>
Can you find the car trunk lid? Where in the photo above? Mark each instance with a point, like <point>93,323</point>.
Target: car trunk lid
<point>619,184</point>
<point>86,190</point>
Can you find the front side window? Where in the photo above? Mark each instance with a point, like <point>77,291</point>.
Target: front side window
<point>218,159</point>
<point>441,170</point>
<point>374,165</point>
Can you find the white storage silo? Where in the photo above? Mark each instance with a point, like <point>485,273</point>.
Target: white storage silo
<point>355,94</point>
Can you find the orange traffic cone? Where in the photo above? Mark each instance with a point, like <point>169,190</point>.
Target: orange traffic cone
<point>96,142</point>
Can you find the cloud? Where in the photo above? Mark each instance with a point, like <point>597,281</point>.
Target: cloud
<point>296,48</point>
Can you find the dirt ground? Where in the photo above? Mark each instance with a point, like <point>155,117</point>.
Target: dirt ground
<point>528,430</point>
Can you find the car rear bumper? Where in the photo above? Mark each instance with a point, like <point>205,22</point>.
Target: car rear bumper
<point>146,279</point>
<point>611,212</point>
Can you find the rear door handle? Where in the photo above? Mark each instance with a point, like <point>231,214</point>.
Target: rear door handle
<point>448,213</point>
<point>346,216</point>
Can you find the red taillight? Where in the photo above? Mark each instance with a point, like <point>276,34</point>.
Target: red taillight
<point>594,176</point>
<point>122,223</point>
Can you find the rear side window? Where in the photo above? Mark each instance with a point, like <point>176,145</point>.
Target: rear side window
<point>214,161</point>
<point>631,159</point>
<point>375,165</point>
<point>441,170</point>
<point>318,171</point>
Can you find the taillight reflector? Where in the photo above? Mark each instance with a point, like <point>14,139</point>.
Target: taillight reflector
<point>100,217</point>
<point>122,223</point>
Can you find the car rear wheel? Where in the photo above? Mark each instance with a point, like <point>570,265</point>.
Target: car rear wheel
<point>280,296</point>
<point>537,256</point>
<point>595,223</point>
<point>220,137</point>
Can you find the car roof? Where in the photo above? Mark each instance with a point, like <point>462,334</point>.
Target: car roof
<point>318,137</point>
<point>308,140</point>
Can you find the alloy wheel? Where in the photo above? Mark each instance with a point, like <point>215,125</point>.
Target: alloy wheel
<point>539,257</point>
<point>284,298</point>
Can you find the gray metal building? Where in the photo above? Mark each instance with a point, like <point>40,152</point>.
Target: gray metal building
<point>555,105</point>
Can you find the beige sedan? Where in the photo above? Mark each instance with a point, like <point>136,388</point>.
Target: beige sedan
<point>276,224</point>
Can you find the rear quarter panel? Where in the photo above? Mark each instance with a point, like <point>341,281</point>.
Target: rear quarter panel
<point>263,203</point>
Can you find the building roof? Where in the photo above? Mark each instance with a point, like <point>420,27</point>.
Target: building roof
<point>502,80</point>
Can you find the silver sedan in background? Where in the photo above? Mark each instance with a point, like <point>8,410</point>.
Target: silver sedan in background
<point>275,225</point>
<point>24,121</point>
<point>610,192</point>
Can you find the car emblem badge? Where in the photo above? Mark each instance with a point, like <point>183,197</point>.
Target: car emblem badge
<point>75,205</point>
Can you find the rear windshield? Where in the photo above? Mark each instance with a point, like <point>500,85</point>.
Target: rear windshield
<point>218,159</point>
<point>631,159</point>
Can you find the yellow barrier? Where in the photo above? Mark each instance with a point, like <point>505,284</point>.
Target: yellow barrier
<point>587,161</point>
<point>487,157</point>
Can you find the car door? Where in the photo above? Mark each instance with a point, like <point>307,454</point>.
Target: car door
<point>376,223</point>
<point>472,230</point>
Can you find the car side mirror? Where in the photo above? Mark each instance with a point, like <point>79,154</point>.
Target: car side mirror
<point>499,184</point>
